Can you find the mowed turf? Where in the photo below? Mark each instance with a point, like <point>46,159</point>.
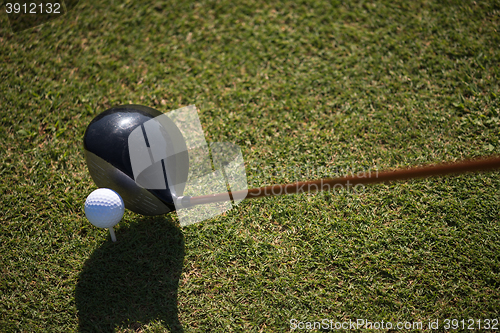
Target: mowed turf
<point>308,89</point>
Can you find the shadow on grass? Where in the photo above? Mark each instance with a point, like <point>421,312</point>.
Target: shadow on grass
<point>134,281</point>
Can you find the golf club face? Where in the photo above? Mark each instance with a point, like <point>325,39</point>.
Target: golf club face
<point>107,153</point>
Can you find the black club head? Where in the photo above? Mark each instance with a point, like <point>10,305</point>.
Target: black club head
<point>107,153</point>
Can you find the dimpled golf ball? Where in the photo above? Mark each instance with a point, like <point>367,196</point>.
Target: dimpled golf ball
<point>104,208</point>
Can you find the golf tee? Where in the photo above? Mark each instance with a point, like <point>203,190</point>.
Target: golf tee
<point>112,233</point>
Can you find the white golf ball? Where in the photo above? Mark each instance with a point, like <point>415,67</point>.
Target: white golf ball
<point>104,208</point>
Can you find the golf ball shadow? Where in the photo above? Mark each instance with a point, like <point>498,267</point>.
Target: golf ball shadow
<point>133,282</point>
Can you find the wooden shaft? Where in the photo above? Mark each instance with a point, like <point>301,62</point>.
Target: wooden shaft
<point>483,164</point>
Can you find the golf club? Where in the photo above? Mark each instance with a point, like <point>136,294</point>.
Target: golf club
<point>108,147</point>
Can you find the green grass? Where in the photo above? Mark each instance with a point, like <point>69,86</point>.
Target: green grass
<point>306,88</point>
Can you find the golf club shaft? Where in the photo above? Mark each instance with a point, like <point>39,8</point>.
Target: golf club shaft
<point>483,164</point>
